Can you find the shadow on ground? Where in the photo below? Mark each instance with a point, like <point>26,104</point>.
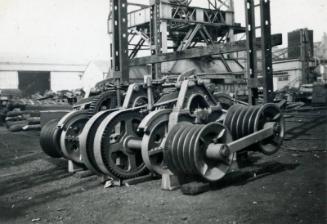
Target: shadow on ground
<point>259,171</point>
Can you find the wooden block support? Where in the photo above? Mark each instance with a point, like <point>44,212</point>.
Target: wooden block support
<point>83,174</point>
<point>73,167</point>
<point>169,182</point>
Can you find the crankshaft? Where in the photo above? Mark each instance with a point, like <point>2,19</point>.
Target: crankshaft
<point>208,150</point>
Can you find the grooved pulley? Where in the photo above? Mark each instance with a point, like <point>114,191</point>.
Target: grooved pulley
<point>245,120</point>
<point>188,150</point>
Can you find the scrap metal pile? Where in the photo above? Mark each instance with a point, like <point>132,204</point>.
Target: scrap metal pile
<point>175,128</point>
<point>23,113</point>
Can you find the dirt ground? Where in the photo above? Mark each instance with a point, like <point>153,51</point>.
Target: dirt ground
<point>289,187</point>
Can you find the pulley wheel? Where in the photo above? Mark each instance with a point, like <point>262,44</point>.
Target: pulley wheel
<point>270,113</point>
<point>153,140</point>
<point>231,111</point>
<point>176,149</point>
<point>170,143</point>
<point>49,139</point>
<point>186,150</point>
<point>210,169</point>
<point>112,153</point>
<point>71,129</point>
<point>87,138</point>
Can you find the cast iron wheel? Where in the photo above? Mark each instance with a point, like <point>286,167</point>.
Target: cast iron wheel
<point>87,139</point>
<point>112,154</point>
<point>69,138</point>
<point>155,131</point>
<point>49,140</point>
<point>270,113</point>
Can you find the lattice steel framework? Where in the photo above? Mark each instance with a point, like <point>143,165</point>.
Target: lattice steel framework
<point>164,26</point>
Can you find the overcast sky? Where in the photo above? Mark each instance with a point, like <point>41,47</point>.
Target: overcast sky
<point>75,30</point>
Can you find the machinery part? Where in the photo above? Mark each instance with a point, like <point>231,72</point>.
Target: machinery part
<point>189,150</point>
<point>136,95</point>
<point>87,138</point>
<point>243,120</point>
<point>195,102</point>
<point>224,99</point>
<point>270,113</point>
<point>49,139</point>
<point>155,129</point>
<point>167,100</point>
<point>104,101</point>
<point>117,145</point>
<point>52,136</point>
<point>140,101</point>
<point>83,104</point>
<point>240,120</point>
<point>194,95</point>
<point>71,129</point>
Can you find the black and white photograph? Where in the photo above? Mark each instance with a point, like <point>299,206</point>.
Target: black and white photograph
<point>163,111</point>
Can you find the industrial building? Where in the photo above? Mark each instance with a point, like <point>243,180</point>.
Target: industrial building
<point>17,75</point>
<point>160,111</point>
